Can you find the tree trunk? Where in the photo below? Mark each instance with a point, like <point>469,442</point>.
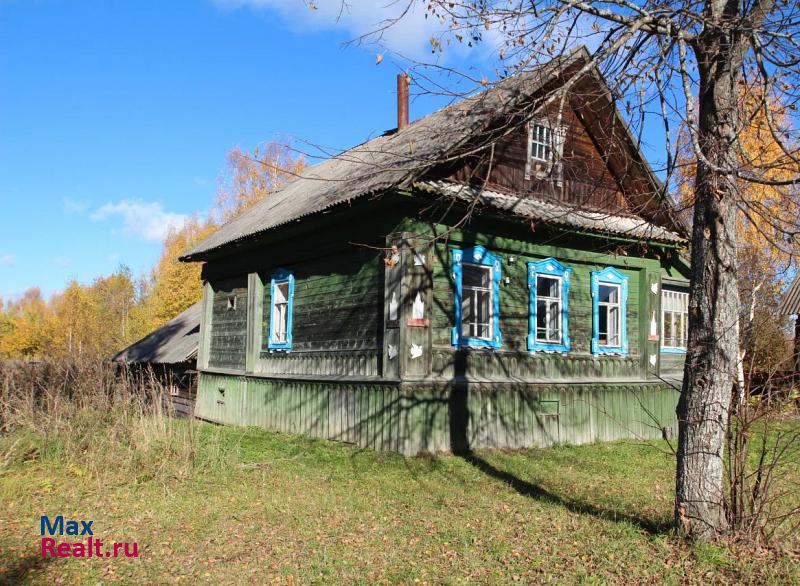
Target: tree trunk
<point>710,371</point>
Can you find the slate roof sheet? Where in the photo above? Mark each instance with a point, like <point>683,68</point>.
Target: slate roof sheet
<point>173,343</point>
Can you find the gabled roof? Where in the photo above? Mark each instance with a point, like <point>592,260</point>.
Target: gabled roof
<point>791,299</point>
<point>398,158</point>
<point>174,342</point>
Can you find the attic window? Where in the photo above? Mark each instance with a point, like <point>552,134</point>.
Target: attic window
<point>541,143</point>
<point>545,148</point>
<point>232,303</point>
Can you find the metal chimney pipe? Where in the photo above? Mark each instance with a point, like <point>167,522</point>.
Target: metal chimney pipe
<point>403,82</point>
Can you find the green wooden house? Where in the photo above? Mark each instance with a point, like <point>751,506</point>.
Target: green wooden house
<point>502,273</point>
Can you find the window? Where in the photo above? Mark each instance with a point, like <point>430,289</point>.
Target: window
<point>548,281</point>
<point>476,273</point>
<point>609,308</point>
<point>548,309</point>
<point>610,315</point>
<point>674,320</point>
<point>281,304</point>
<point>476,302</point>
<point>545,148</point>
<point>541,142</point>
<point>280,312</point>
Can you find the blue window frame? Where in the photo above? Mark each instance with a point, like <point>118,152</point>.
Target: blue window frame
<point>609,312</point>
<point>476,273</point>
<point>548,282</point>
<point>281,304</point>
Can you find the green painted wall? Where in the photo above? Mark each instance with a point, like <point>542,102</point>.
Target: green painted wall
<point>342,380</point>
<point>336,302</point>
<point>228,324</point>
<point>513,360</point>
<point>412,420</point>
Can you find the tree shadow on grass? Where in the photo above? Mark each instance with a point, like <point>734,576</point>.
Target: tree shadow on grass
<point>17,571</point>
<point>460,445</point>
<point>536,492</point>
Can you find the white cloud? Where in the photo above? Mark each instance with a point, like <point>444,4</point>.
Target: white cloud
<point>409,36</point>
<point>74,206</point>
<point>7,260</point>
<point>146,220</point>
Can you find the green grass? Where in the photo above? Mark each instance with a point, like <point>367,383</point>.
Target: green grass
<point>251,506</point>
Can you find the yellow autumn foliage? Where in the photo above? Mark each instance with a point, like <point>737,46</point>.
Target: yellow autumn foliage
<point>769,213</point>
<point>251,177</point>
<point>99,319</point>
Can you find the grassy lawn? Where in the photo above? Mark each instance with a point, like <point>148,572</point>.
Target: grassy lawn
<point>251,506</point>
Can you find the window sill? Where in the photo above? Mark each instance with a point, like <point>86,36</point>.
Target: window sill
<point>673,350</point>
<point>535,346</point>
<point>610,351</point>
<point>477,343</point>
<point>548,350</point>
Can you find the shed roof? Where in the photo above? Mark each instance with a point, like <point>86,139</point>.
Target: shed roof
<point>791,299</point>
<point>174,342</point>
<point>397,159</point>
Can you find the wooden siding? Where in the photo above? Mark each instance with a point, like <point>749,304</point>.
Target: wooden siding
<point>586,180</point>
<point>337,318</point>
<point>338,305</point>
<point>672,365</point>
<point>182,404</point>
<point>228,326</point>
<point>512,361</point>
<point>340,309</point>
<point>412,420</point>
<point>338,382</point>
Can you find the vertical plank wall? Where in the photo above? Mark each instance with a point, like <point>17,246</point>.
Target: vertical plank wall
<point>411,420</point>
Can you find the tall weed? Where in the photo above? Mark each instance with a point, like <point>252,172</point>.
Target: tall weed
<point>95,417</point>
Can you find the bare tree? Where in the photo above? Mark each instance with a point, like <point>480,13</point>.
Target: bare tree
<point>660,59</point>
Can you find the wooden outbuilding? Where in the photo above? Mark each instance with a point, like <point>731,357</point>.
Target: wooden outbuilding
<point>503,273</point>
<point>170,355</point>
<point>791,306</point>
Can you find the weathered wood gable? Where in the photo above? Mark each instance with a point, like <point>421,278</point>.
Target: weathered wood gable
<point>584,178</point>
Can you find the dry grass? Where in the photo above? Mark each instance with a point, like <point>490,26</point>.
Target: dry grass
<point>63,412</point>
<point>210,504</point>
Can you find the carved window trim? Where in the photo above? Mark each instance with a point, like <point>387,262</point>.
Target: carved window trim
<point>611,277</point>
<point>477,255</point>
<point>551,268</point>
<point>281,277</point>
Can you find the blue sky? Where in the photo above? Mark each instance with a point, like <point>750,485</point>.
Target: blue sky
<point>115,117</point>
